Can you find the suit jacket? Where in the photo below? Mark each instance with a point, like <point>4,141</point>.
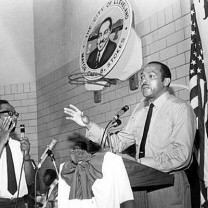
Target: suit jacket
<point>110,48</point>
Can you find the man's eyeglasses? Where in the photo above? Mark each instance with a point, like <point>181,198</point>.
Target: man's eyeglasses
<point>10,113</point>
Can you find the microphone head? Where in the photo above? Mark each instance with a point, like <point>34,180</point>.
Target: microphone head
<point>22,128</point>
<point>125,108</point>
<point>52,144</point>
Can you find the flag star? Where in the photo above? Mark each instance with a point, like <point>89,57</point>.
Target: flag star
<point>199,70</point>
<point>199,57</point>
<point>192,12</point>
<point>191,71</point>
<point>195,53</point>
<point>192,32</point>
<point>193,62</point>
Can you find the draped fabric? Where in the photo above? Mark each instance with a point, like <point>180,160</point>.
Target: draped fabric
<point>112,190</point>
<point>81,171</point>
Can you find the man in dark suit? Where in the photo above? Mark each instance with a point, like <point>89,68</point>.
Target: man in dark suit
<point>105,47</point>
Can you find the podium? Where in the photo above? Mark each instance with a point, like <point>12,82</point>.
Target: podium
<point>143,178</point>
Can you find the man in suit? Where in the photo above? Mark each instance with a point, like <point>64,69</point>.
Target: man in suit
<point>105,47</point>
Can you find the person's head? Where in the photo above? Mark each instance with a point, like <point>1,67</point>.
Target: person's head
<point>104,33</point>
<point>155,80</point>
<point>7,110</point>
<point>49,176</point>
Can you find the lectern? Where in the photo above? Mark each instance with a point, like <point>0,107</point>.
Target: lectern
<point>143,178</point>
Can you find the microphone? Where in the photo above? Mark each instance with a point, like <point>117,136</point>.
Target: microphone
<point>22,131</point>
<point>47,152</point>
<point>121,112</point>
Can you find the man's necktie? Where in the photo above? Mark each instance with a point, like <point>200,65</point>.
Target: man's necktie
<point>146,128</point>
<point>12,183</point>
<point>97,59</point>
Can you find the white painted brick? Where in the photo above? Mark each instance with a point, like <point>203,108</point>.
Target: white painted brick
<point>158,45</point>
<point>21,96</point>
<point>175,37</point>
<point>173,74</point>
<point>168,52</point>
<point>146,26</point>
<point>185,6</point>
<point>129,100</point>
<point>29,116</point>
<point>146,51</point>
<point>32,123</point>
<point>32,95</point>
<point>8,97</point>
<point>139,29</point>
<point>176,61</point>
<point>121,92</point>
<point>29,102</point>
<point>154,24</point>
<point>116,104</point>
<point>150,38</point>
<point>166,30</point>
<point>152,57</point>
<point>16,103</point>
<point>7,89</point>
<point>177,10</point>
<point>100,118</point>
<point>188,31</point>
<point>33,86</point>
<point>2,90</point>
<point>14,88</point>
<point>21,109</point>
<point>161,18</point>
<point>32,108</point>
<point>109,96</point>
<point>187,56</point>
<point>182,71</point>
<point>183,22</point>
<point>184,46</point>
<point>169,14</point>
<point>181,81</point>
<point>26,87</point>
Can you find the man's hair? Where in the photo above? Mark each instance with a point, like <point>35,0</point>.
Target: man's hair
<point>3,102</point>
<point>51,173</point>
<point>164,69</point>
<point>105,20</point>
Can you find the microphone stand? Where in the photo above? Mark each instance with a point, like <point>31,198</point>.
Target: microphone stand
<point>112,123</point>
<point>50,153</point>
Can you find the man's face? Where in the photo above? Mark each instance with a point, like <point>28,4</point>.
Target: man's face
<point>152,85</point>
<point>7,110</point>
<point>103,35</point>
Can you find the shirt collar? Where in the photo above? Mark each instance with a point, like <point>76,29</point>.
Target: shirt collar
<point>161,100</point>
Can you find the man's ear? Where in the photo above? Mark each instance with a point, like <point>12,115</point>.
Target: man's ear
<point>166,82</point>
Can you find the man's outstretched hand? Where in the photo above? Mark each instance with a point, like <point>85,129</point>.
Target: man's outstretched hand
<point>76,115</point>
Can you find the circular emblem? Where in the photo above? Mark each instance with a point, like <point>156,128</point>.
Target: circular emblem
<point>105,39</point>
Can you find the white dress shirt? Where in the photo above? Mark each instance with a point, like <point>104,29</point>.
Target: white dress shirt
<point>18,159</point>
<point>170,137</point>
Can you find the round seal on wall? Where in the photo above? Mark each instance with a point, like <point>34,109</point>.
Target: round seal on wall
<point>105,39</point>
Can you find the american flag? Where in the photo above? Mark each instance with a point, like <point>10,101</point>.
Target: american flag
<point>198,98</point>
